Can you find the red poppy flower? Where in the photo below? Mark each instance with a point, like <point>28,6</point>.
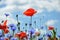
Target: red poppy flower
<point>50,28</point>
<point>30,12</point>
<point>6,38</point>
<point>4,26</point>
<point>6,31</point>
<point>0,26</point>
<point>22,35</point>
<point>5,22</point>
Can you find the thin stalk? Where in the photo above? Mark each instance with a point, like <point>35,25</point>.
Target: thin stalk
<point>3,33</point>
<point>19,38</point>
<point>59,38</point>
<point>31,27</point>
<point>13,32</point>
<point>26,27</point>
<point>35,23</point>
<point>18,23</point>
<point>17,18</point>
<point>18,26</point>
<point>54,33</point>
<point>31,22</point>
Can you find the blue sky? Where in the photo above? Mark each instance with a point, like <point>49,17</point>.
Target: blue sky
<point>48,12</point>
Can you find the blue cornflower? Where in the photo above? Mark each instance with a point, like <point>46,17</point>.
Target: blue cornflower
<point>9,35</point>
<point>13,38</point>
<point>6,14</point>
<point>59,36</point>
<point>42,27</point>
<point>13,27</point>
<point>49,35</point>
<point>1,38</point>
<point>40,38</point>
<point>1,34</point>
<point>32,31</point>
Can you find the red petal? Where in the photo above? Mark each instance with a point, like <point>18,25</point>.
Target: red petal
<point>6,31</point>
<point>51,28</point>
<point>6,39</point>
<point>5,22</point>
<point>23,35</point>
<point>30,12</point>
<point>0,26</point>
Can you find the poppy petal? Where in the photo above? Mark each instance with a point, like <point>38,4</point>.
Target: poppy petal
<point>29,12</point>
<point>5,22</point>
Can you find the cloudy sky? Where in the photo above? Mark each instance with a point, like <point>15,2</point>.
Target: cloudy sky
<point>48,12</point>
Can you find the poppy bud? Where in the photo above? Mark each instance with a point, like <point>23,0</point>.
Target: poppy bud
<point>16,15</point>
<point>30,24</point>
<point>50,28</point>
<point>25,24</point>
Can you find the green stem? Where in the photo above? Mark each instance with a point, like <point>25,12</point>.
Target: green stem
<point>18,23</point>
<point>3,33</point>
<point>31,21</point>
<point>59,38</point>
<point>18,38</point>
<point>31,27</point>
<point>35,23</point>
<point>13,32</point>
<point>54,33</point>
<point>30,36</point>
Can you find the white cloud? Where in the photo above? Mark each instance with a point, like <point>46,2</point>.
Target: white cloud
<point>23,1</point>
<point>51,22</point>
<point>41,4</point>
<point>2,1</point>
<point>53,5</point>
<point>9,2</point>
<point>7,9</point>
<point>10,19</point>
<point>24,7</point>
